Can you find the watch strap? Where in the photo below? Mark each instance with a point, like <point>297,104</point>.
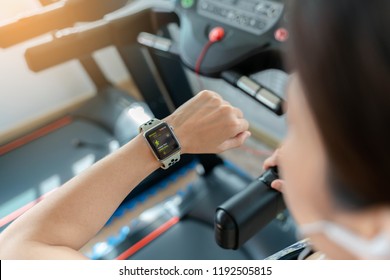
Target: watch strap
<point>171,160</point>
<point>149,124</point>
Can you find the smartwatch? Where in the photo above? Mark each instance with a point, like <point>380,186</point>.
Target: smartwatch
<point>162,141</point>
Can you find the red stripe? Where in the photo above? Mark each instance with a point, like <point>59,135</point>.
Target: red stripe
<point>34,135</point>
<point>149,238</point>
<point>202,56</point>
<point>9,218</point>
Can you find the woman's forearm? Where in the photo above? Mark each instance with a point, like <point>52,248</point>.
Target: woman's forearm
<point>80,208</point>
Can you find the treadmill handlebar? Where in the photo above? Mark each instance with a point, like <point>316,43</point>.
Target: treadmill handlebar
<point>68,47</point>
<point>54,17</point>
<point>78,42</point>
<point>247,212</point>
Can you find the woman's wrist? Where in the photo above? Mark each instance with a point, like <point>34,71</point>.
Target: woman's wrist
<point>138,148</point>
<point>179,132</point>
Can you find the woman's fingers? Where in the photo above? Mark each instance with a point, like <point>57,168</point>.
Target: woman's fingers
<point>271,161</point>
<point>278,185</point>
<point>235,142</point>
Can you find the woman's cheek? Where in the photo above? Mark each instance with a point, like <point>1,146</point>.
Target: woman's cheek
<point>297,167</point>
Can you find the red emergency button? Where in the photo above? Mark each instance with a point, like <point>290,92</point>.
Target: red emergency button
<point>216,34</point>
<point>281,34</point>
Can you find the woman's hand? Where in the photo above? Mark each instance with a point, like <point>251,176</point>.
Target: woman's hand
<point>271,162</point>
<point>208,124</point>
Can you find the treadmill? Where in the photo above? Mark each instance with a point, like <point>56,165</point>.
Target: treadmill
<point>182,226</point>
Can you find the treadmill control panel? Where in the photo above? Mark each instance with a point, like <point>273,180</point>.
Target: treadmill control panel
<point>249,25</point>
<point>253,16</point>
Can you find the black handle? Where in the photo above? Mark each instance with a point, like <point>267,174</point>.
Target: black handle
<point>243,215</point>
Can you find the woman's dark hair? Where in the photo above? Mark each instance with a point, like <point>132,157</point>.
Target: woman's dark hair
<point>341,50</point>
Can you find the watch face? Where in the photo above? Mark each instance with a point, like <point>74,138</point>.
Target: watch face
<point>162,140</point>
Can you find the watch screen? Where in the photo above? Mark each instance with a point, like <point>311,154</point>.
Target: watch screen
<point>162,141</point>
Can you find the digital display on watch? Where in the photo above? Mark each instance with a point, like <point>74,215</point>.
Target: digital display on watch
<point>162,141</point>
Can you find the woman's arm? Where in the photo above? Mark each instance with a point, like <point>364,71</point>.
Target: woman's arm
<point>60,225</point>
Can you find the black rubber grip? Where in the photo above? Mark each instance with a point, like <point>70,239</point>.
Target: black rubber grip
<point>243,215</point>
